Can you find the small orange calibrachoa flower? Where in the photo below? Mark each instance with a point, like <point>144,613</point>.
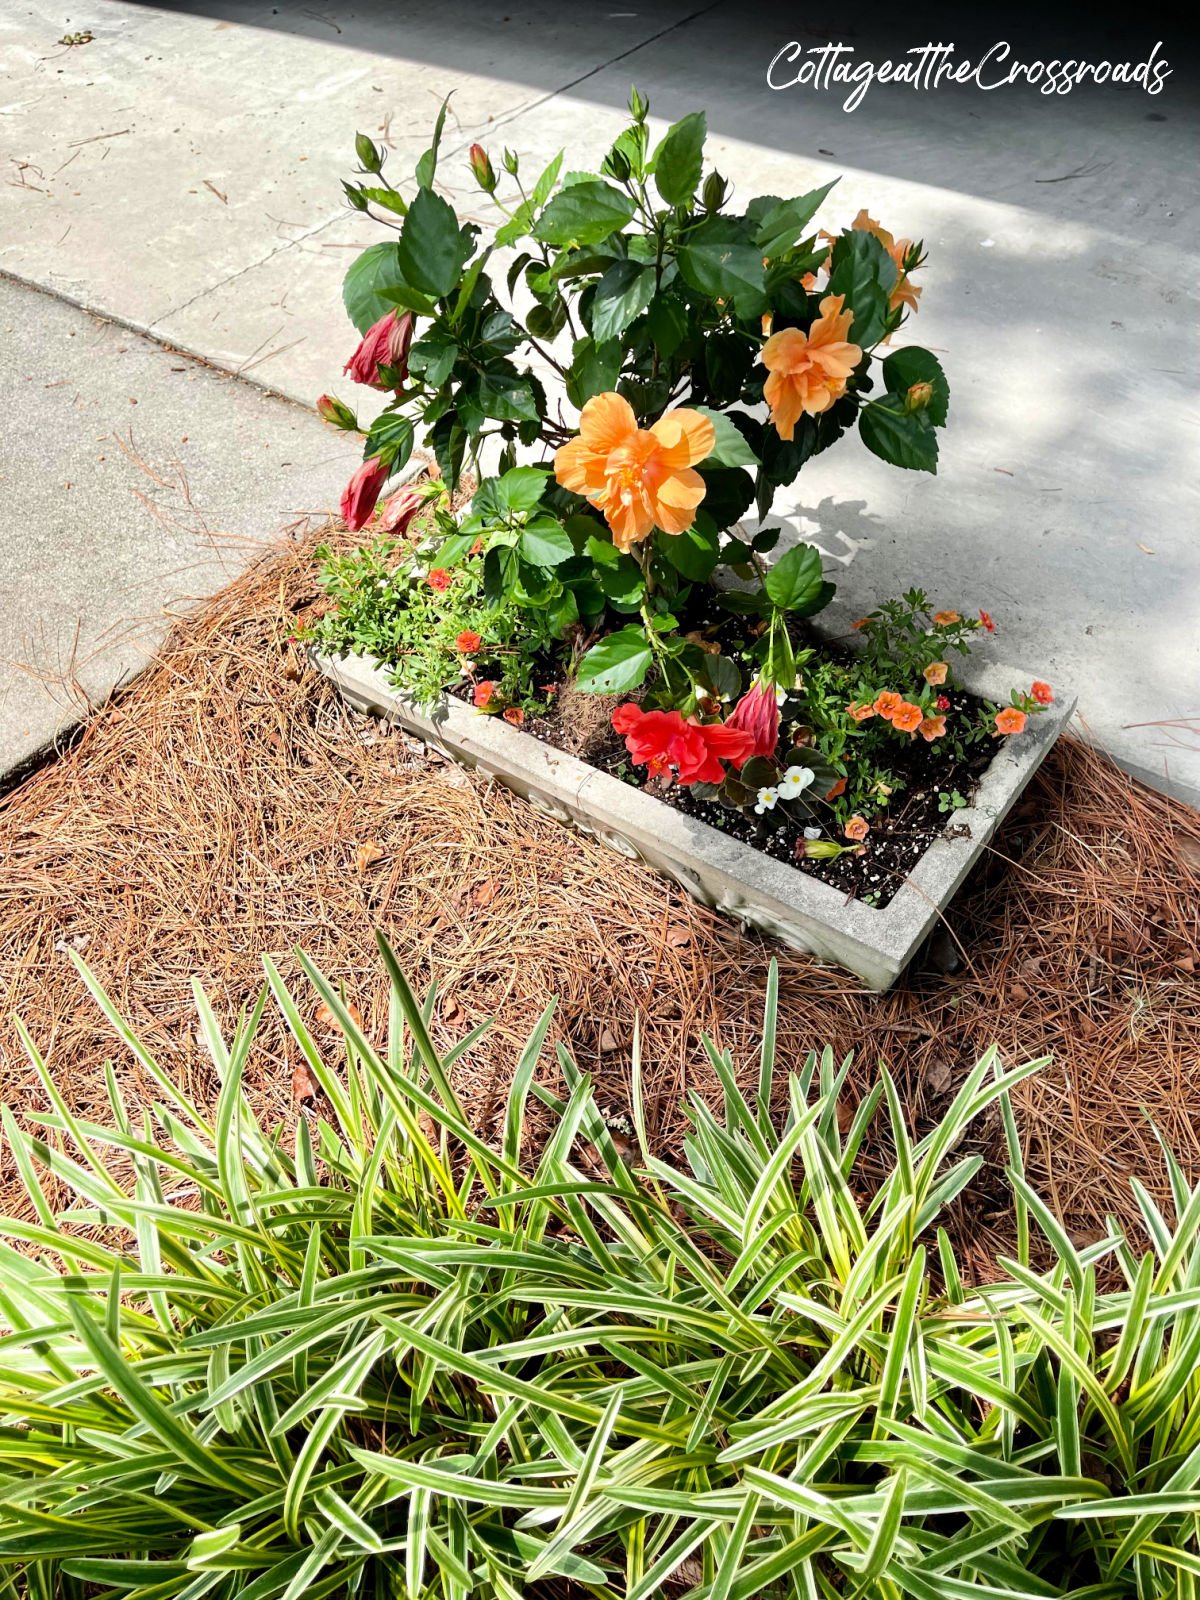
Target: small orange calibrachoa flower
<point>859,712</point>
<point>639,478</point>
<point>1010,720</point>
<point>863,622</point>
<point>1042,693</point>
<point>932,728</point>
<point>935,673</point>
<point>985,621</point>
<point>946,619</point>
<point>887,705</point>
<point>515,715</point>
<point>907,717</point>
<point>467,642</point>
<point>440,579</point>
<point>857,828</point>
<point>807,372</point>
<point>484,691</point>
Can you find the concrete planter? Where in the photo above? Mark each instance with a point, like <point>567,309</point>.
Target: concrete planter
<point>716,870</point>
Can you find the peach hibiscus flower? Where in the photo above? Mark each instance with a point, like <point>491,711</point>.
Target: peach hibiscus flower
<point>640,478</point>
<point>807,372</point>
<point>906,292</point>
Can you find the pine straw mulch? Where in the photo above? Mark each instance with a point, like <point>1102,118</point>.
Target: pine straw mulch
<point>227,804</point>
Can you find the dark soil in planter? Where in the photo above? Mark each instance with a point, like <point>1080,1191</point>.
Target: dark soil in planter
<point>899,836</point>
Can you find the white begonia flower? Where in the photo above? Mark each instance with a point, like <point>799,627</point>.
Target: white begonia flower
<point>812,833</point>
<point>794,780</point>
<point>766,801</point>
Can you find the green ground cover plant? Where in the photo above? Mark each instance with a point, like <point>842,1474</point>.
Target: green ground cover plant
<point>389,1357</point>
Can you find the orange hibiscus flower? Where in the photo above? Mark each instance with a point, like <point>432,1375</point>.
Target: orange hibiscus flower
<point>640,478</point>
<point>807,372</point>
<point>1010,720</point>
<point>907,717</point>
<point>906,292</point>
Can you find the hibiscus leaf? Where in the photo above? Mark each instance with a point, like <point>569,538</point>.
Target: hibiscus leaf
<point>721,261</point>
<point>378,267</point>
<point>624,291</point>
<point>694,552</point>
<point>865,273</point>
<point>796,583</point>
<point>546,543</point>
<point>912,365</point>
<point>730,448</point>
<point>594,369</point>
<point>903,439</point>
<point>585,213</point>
<point>784,224</point>
<point>617,664</point>
<point>679,159</point>
<point>433,249</point>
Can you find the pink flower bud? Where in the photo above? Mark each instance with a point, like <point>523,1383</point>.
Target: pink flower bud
<point>332,410</point>
<point>386,344</point>
<point>361,494</point>
<point>481,168</point>
<point>399,510</point>
<point>757,713</point>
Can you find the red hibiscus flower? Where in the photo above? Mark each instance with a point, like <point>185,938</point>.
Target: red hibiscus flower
<point>661,740</point>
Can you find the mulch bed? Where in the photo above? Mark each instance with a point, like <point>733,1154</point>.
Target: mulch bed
<point>227,804</point>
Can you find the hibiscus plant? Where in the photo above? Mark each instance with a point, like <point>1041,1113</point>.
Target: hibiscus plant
<point>626,367</point>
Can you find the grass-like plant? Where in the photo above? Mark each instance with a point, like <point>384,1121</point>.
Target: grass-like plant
<point>393,1359</point>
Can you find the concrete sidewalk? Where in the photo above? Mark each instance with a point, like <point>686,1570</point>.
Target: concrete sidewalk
<point>180,173</point>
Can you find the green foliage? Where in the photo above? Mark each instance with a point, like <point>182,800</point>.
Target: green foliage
<point>386,606</point>
<point>643,279</point>
<point>388,1356</point>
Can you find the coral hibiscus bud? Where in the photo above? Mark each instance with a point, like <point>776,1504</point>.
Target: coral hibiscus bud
<point>757,713</point>
<point>918,397</point>
<point>400,509</point>
<point>1042,692</point>
<point>385,344</point>
<point>361,494</point>
<point>481,168</point>
<point>332,410</point>
<point>639,105</point>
